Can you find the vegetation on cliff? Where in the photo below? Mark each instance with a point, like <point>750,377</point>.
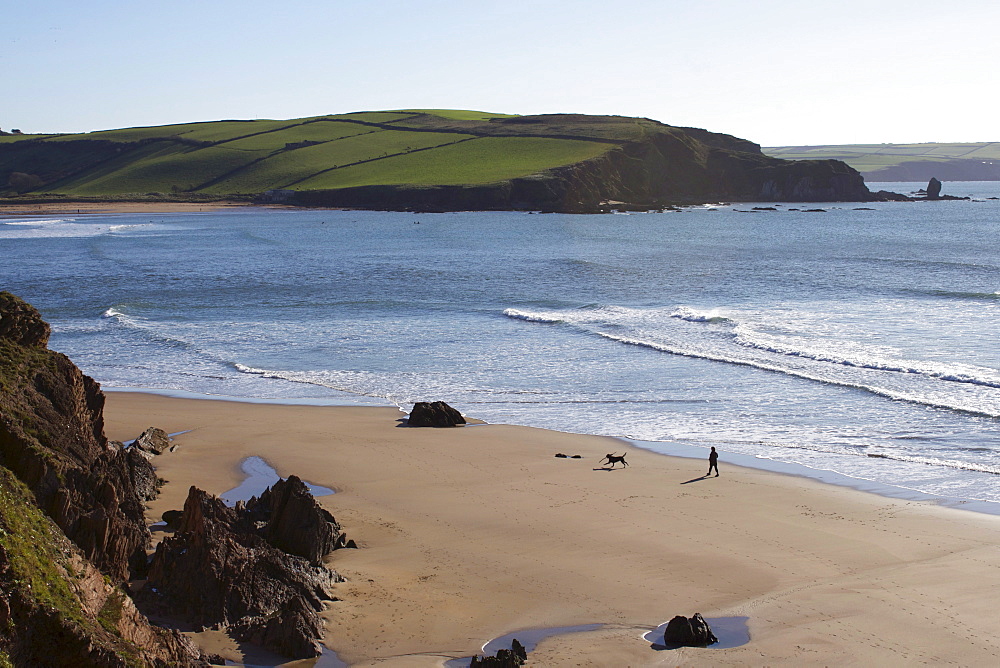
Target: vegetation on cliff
<point>420,158</point>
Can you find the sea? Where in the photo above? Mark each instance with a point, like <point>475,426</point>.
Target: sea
<point>852,342</point>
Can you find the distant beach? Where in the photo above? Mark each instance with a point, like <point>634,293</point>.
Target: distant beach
<point>71,208</point>
<point>471,533</point>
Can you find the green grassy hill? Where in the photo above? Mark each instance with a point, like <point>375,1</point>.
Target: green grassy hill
<point>907,162</point>
<point>433,158</point>
<point>224,158</point>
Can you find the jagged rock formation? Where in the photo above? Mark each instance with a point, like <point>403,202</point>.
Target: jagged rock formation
<point>256,568</point>
<point>505,658</point>
<point>60,477</point>
<point>688,632</point>
<point>434,414</point>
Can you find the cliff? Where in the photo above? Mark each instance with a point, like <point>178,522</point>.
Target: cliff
<point>71,520</point>
<point>432,160</point>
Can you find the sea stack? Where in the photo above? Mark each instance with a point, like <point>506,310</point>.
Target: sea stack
<point>933,188</point>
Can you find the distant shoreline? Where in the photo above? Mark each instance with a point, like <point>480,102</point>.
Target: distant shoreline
<point>70,208</point>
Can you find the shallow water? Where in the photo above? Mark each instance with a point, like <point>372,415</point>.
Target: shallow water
<point>860,342</point>
<point>259,476</point>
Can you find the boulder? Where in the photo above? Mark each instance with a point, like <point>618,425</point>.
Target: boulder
<point>434,414</point>
<point>153,441</point>
<point>688,632</point>
<point>933,188</point>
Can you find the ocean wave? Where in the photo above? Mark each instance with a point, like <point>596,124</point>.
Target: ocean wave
<point>967,374</point>
<point>48,221</point>
<point>532,317</point>
<point>694,315</point>
<point>745,346</point>
<point>936,461</point>
<point>966,295</point>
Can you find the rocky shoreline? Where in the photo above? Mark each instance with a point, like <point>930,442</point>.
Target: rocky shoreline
<point>71,572</point>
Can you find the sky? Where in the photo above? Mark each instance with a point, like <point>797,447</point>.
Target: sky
<point>776,72</point>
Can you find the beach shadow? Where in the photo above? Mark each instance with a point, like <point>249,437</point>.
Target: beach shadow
<point>605,468</point>
<point>698,479</point>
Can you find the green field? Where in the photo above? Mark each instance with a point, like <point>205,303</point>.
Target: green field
<point>477,161</point>
<point>295,168</point>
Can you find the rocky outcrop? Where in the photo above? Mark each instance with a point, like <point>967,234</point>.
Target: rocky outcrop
<point>52,438</point>
<point>71,507</point>
<point>505,658</point>
<point>21,324</point>
<point>434,414</point>
<point>294,522</point>
<point>688,632</point>
<point>224,567</point>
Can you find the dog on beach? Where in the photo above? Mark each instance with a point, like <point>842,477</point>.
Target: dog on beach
<point>614,459</point>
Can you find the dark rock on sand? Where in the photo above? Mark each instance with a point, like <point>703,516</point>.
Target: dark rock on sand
<point>505,658</point>
<point>688,632</point>
<point>561,455</point>
<point>152,441</point>
<point>434,414</point>
<point>220,569</point>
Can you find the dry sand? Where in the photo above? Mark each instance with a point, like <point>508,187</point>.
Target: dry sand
<point>475,532</point>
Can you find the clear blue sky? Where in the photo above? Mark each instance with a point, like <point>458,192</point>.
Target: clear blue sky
<point>775,72</point>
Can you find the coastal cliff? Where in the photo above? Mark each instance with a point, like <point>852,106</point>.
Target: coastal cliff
<point>421,160</point>
<point>74,540</point>
<point>71,520</point>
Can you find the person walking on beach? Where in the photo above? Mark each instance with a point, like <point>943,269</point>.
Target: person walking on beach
<point>713,463</point>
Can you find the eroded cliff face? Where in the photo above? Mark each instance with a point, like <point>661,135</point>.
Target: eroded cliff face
<point>71,520</point>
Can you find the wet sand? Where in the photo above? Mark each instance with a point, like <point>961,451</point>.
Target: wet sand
<point>471,533</point>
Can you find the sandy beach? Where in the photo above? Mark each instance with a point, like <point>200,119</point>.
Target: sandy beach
<point>475,532</point>
<point>76,208</point>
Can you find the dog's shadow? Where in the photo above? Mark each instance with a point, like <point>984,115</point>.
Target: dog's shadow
<point>605,468</point>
